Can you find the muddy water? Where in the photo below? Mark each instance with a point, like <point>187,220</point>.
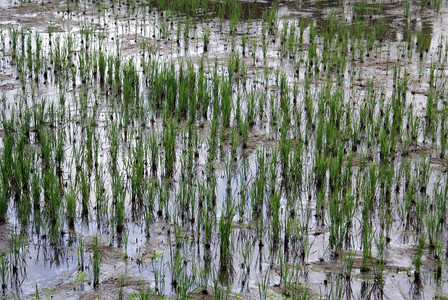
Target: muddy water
<point>55,267</point>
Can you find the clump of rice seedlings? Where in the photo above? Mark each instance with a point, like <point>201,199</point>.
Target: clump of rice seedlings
<point>95,260</point>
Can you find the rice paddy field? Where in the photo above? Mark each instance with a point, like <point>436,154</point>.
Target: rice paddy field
<point>234,149</point>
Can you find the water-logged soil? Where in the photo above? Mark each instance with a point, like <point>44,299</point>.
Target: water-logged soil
<point>165,248</point>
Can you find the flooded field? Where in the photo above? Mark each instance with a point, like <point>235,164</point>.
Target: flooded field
<point>176,149</point>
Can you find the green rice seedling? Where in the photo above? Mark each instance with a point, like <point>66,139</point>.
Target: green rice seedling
<point>320,170</point>
<point>117,73</point>
<point>432,228</point>
<point>246,253</point>
<point>169,140</point>
<point>186,31</point>
<point>178,30</point>
<point>110,70</point>
<point>80,253</point>
<point>206,39</point>
<point>423,42</point>
<point>3,201</point>
<point>59,153</point>
<point>285,151</point>
<point>35,190</point>
<point>250,113</point>
<point>244,131</point>
<point>102,66</point>
<point>29,53</point>
<point>208,229</point>
<point>407,9</point>
<point>121,291</point>
<point>95,260</point>
<point>118,197</point>
<point>53,200</point>
<point>283,41</point>
<point>138,170</point>
<point>337,228</point>
<point>443,133</point>
<point>348,263</point>
<point>70,200</point>
<point>378,265</point>
<point>438,254</point>
<point>16,254</point>
<point>125,243</point>
<point>114,140</point>
<point>143,294</point>
<point>336,288</point>
<point>291,42</point>
<point>149,205</point>
<point>13,34</point>
<point>285,275</point>
<point>185,285</point>
<point>264,47</point>
<point>159,274</point>
<point>263,287</point>
<point>424,174</point>
<point>85,193</point>
<point>235,15</point>
<point>130,83</point>
<point>366,244</point>
<point>100,195</point>
<point>274,204</point>
<point>4,271</point>
<point>154,152</point>
<point>225,232</point>
<point>226,102</point>
<point>273,172</point>
<point>234,144</point>
<point>217,290</point>
<point>418,257</point>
